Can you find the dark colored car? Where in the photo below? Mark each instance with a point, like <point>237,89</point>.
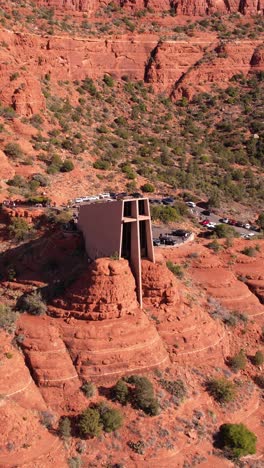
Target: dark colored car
<point>239,224</point>
<point>170,241</point>
<point>156,242</point>
<point>136,195</point>
<point>206,213</point>
<point>167,201</point>
<point>180,233</point>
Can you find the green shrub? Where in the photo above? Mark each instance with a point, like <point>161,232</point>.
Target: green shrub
<point>165,214</point>
<point>63,217</point>
<point>222,390</point>
<point>102,164</point>
<point>120,392</point>
<point>223,230</point>
<point>175,269</point>
<point>36,120</point>
<point>64,428</point>
<point>19,229</point>
<point>238,361</point>
<point>67,166</point>
<point>143,395</point>
<point>147,188</point>
<point>43,181</point>
<point>109,81</point>
<point>258,359</point>
<point>74,462</point>
<point>33,304</point>
<point>89,423</point>
<point>110,418</point>
<point>88,389</point>
<point>8,318</point>
<point>237,439</point>
<point>13,151</point>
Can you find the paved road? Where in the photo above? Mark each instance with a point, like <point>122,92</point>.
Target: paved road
<point>197,212</point>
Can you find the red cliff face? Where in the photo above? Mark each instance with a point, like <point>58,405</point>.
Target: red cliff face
<point>181,7</point>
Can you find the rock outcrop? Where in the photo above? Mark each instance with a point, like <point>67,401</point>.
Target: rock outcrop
<point>180,7</point>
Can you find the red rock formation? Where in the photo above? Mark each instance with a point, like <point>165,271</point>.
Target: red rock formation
<point>181,7</point>
<point>105,291</point>
<point>187,330</point>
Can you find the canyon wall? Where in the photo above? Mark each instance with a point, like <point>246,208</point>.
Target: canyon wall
<point>179,7</point>
<point>181,67</point>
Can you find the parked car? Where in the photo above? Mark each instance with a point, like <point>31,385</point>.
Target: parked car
<point>211,225</point>
<point>224,220</point>
<point>180,233</point>
<point>239,224</point>
<point>170,241</point>
<point>246,226</point>
<point>156,242</point>
<point>136,195</point>
<point>205,222</point>
<point>191,204</point>
<point>255,228</point>
<point>206,213</point>
<point>167,200</point>
<point>232,222</point>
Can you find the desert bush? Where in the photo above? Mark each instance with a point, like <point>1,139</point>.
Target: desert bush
<point>120,392</point>
<point>238,361</point>
<point>88,389</point>
<point>223,230</point>
<point>249,251</point>
<point>63,217</point>
<point>147,188</point>
<point>110,418</point>
<point>89,423</point>
<point>237,439</point>
<point>177,388</point>
<point>137,447</point>
<point>64,428</point>
<point>67,166</point>
<point>214,245</point>
<point>33,304</point>
<point>19,229</point>
<point>109,81</point>
<point>165,214</point>
<point>143,395</point>
<point>13,151</point>
<point>258,359</point>
<point>222,390</point>
<point>43,181</point>
<point>17,181</point>
<point>259,380</point>
<point>8,318</point>
<point>175,269</point>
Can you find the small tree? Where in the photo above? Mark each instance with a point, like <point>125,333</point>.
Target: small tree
<point>89,423</point>
<point>222,390</point>
<point>64,428</point>
<point>222,230</point>
<point>260,220</point>
<point>120,392</point>
<point>237,439</point>
<point>143,395</point>
<point>238,361</point>
<point>258,359</point>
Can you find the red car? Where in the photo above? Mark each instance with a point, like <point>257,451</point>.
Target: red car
<point>205,222</point>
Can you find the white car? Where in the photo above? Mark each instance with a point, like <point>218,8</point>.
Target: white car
<point>210,225</point>
<point>247,226</point>
<point>191,204</point>
<point>104,195</point>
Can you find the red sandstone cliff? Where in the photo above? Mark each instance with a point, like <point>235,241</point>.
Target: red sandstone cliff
<point>180,7</point>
